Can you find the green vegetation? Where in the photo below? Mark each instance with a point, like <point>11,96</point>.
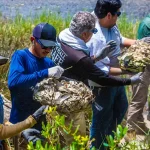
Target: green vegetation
<point>55,128</point>
<point>15,34</point>
<point>53,133</point>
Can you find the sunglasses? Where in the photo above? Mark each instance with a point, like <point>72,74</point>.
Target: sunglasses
<point>44,47</point>
<point>94,30</point>
<point>118,13</point>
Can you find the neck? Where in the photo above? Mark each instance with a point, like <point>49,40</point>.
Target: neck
<point>103,23</point>
<point>31,49</point>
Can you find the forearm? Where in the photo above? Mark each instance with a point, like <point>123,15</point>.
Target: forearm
<point>12,130</point>
<point>93,73</point>
<point>115,71</point>
<point>128,42</point>
<point>20,79</point>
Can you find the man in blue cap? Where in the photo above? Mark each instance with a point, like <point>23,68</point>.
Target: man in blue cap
<point>28,67</point>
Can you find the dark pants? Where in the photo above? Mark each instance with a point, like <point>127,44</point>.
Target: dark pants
<point>114,105</point>
<point>1,110</point>
<point>1,117</point>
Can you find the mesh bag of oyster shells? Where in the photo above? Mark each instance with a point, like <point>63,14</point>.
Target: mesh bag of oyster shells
<point>67,95</point>
<point>136,57</point>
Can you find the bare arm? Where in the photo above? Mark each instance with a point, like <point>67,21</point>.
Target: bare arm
<point>128,42</point>
<point>115,71</point>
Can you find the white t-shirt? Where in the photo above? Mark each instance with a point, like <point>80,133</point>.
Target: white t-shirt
<point>99,40</point>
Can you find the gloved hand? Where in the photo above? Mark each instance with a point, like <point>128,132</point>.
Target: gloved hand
<point>32,135</point>
<point>41,111</point>
<point>3,60</point>
<point>146,39</point>
<point>56,72</point>
<point>137,78</point>
<point>110,46</point>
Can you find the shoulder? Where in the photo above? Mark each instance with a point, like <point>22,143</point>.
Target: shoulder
<point>20,52</point>
<point>115,29</point>
<point>49,61</point>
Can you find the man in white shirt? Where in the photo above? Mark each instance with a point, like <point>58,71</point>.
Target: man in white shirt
<point>113,100</point>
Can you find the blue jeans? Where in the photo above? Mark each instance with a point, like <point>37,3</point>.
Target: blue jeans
<point>1,110</point>
<point>114,105</point>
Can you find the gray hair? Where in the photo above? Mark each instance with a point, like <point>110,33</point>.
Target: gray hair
<point>82,21</point>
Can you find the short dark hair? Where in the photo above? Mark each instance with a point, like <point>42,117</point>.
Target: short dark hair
<point>104,6</point>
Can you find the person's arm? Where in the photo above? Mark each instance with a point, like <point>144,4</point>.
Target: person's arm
<point>92,72</point>
<point>12,130</point>
<point>128,42</point>
<point>115,71</point>
<point>17,73</point>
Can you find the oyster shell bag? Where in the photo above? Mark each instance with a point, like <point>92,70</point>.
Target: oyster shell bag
<point>136,57</point>
<point>67,95</point>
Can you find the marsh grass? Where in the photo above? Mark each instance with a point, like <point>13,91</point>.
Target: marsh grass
<point>15,34</point>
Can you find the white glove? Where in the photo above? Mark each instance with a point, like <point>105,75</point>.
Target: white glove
<point>137,78</point>
<point>56,72</point>
<point>105,51</point>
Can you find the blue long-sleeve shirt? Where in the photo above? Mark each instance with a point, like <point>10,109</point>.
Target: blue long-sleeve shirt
<point>25,72</point>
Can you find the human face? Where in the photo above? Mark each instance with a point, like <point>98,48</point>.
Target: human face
<point>88,34</point>
<point>40,50</point>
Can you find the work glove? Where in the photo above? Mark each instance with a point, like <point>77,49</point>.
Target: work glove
<point>41,111</point>
<point>32,135</point>
<point>110,46</point>
<point>3,60</point>
<point>56,72</point>
<point>137,78</point>
<point>146,39</point>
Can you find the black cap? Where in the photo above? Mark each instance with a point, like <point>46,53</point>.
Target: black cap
<point>46,33</point>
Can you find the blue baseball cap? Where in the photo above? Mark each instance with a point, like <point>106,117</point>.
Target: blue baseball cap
<point>46,34</point>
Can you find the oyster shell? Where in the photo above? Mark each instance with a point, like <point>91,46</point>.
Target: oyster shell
<point>136,57</point>
<point>68,96</point>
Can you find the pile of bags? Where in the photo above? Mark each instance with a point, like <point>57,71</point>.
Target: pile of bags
<point>136,57</point>
<point>67,95</point>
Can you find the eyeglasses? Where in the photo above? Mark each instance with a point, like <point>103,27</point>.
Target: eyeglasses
<point>94,30</point>
<point>118,13</point>
<point>44,47</point>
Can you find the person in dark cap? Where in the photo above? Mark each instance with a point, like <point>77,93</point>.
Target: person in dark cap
<point>28,67</point>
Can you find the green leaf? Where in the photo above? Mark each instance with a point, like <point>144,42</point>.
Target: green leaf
<point>106,144</point>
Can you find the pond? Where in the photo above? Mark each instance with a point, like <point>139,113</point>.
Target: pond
<point>9,8</point>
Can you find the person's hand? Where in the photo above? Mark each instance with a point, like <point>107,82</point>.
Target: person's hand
<point>41,111</point>
<point>32,135</point>
<point>146,39</point>
<point>56,72</point>
<point>110,46</point>
<point>137,78</point>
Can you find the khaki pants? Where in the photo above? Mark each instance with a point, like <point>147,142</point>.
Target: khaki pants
<point>78,119</point>
<point>139,99</point>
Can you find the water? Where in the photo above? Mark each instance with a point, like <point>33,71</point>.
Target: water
<point>9,8</point>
